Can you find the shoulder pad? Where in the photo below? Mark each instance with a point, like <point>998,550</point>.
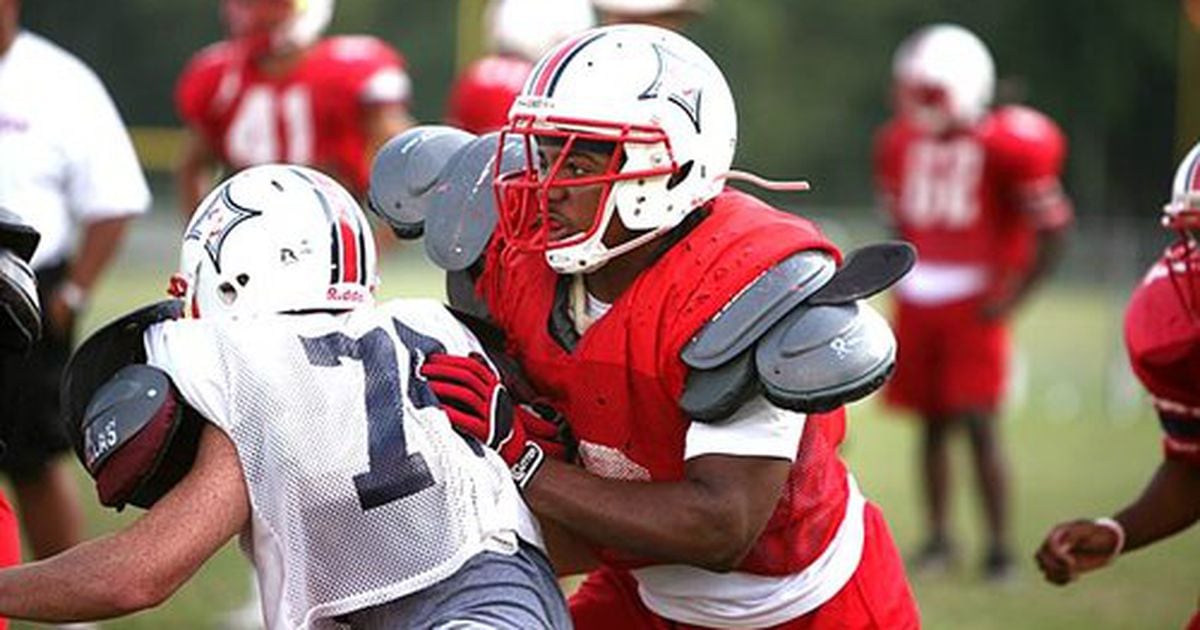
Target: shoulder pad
<point>20,312</point>
<point>749,315</point>
<point>116,345</point>
<point>17,235</point>
<point>822,357</point>
<point>711,396</point>
<point>462,211</point>
<point>405,170</point>
<point>138,437</point>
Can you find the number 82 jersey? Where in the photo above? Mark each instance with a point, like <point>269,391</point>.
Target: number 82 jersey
<point>976,196</point>
<point>361,492</point>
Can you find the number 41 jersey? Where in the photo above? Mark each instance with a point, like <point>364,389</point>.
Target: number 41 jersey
<point>361,491</point>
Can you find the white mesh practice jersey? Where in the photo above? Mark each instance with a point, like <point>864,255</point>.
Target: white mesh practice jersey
<point>361,491</point>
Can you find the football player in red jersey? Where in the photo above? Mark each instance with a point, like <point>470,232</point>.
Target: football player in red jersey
<point>519,31</point>
<point>1162,337</point>
<point>977,192</point>
<point>660,312</point>
<point>275,91</point>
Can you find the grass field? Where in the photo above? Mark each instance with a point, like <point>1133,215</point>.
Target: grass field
<point>1081,438</point>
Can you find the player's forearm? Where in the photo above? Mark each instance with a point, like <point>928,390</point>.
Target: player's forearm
<point>97,579</point>
<point>1049,250</point>
<point>1168,505</point>
<point>100,242</point>
<point>684,522</point>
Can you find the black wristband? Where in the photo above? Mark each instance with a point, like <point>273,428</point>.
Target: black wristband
<point>527,464</point>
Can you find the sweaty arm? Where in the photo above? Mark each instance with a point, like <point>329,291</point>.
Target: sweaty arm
<point>194,173</point>
<point>140,566</point>
<point>710,518</point>
<point>1169,504</point>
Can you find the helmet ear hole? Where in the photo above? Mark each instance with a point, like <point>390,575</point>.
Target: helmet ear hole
<point>681,174</point>
<point>228,293</point>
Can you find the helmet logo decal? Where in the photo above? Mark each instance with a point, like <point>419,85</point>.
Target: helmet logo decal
<point>683,90</point>
<point>216,222</point>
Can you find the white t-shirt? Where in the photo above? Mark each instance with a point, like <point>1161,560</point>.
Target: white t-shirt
<point>361,490</point>
<point>64,154</point>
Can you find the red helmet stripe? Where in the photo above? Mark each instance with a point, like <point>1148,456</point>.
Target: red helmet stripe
<point>548,71</point>
<point>349,250</point>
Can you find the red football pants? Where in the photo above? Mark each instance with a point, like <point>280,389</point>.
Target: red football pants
<point>877,595</point>
<point>948,360</point>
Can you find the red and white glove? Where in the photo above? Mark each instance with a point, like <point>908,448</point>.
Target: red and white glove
<point>478,404</point>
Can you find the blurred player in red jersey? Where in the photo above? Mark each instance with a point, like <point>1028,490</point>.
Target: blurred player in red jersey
<point>275,91</point>
<point>977,191</point>
<point>1162,336</point>
<point>659,311</point>
<point>518,31</point>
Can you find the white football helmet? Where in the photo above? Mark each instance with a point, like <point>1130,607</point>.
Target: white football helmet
<point>273,239</point>
<point>258,23</point>
<point>944,77</point>
<point>650,92</point>
<point>528,28</point>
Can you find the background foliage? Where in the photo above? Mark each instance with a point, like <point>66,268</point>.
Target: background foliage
<point>811,77</point>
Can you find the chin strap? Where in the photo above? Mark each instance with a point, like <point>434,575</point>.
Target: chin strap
<point>768,184</point>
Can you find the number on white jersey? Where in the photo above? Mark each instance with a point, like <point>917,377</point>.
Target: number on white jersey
<point>941,184</point>
<point>264,118</point>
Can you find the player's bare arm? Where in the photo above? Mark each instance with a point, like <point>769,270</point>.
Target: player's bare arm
<point>142,565</point>
<point>711,518</point>
<point>99,243</point>
<point>1166,507</point>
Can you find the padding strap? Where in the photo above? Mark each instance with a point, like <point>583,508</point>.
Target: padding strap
<point>866,271</point>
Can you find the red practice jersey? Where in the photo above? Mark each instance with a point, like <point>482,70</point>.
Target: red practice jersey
<point>313,115</point>
<point>1163,341</point>
<point>974,197</point>
<point>484,92</point>
<point>619,387</point>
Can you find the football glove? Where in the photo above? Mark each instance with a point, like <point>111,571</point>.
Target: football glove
<point>479,405</point>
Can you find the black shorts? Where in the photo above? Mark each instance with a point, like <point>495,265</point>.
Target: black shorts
<point>32,428</point>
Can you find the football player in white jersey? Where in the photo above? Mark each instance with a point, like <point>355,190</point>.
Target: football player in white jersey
<point>276,400</point>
